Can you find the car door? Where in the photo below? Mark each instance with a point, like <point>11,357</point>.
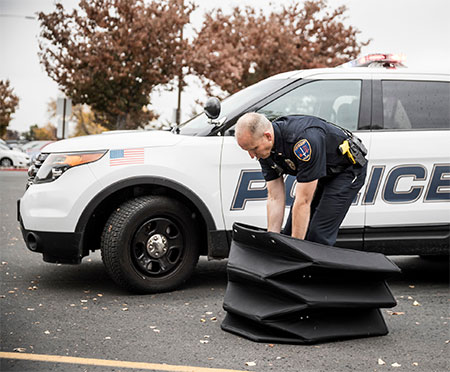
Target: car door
<point>409,182</point>
<point>335,98</point>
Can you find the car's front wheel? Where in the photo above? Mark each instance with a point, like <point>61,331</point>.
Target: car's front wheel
<point>150,244</point>
<point>6,162</point>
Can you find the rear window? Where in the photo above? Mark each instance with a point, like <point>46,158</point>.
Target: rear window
<point>416,104</point>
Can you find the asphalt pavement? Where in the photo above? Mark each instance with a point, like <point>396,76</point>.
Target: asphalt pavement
<point>77,314</point>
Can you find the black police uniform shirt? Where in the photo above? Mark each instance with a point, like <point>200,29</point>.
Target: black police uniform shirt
<point>306,147</point>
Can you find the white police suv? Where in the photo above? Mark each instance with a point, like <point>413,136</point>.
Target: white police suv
<point>153,201</point>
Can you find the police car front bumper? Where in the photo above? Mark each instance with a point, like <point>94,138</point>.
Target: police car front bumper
<point>56,247</point>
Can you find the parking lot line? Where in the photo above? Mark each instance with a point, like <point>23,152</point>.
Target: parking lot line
<point>108,363</point>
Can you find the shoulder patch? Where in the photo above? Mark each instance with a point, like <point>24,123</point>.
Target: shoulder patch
<point>302,150</point>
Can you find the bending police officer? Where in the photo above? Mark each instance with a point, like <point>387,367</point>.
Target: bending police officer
<point>327,161</point>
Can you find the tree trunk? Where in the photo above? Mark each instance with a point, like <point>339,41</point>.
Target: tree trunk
<point>121,121</point>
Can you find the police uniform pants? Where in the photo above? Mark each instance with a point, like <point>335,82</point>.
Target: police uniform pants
<point>332,199</point>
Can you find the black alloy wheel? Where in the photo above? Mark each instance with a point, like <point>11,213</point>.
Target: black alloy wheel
<point>150,244</point>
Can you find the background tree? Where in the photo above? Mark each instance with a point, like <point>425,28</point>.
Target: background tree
<point>85,121</point>
<point>112,53</point>
<point>239,49</point>
<point>83,116</point>
<point>12,135</point>
<point>36,133</point>
<point>8,105</point>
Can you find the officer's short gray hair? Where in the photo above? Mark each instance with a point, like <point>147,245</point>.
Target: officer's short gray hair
<point>252,122</point>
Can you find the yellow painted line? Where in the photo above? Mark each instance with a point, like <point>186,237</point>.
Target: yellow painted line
<point>109,363</point>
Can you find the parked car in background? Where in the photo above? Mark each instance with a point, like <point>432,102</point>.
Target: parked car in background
<point>12,158</point>
<point>34,148</point>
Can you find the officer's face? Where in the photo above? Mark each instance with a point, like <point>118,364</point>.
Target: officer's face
<point>258,147</point>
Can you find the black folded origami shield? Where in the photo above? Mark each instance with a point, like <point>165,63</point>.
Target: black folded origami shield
<point>285,290</point>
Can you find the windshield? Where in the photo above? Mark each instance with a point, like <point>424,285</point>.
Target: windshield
<point>242,99</point>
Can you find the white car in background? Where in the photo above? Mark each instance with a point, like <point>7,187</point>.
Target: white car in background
<point>12,158</point>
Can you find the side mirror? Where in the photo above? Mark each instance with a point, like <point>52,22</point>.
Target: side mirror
<point>212,108</point>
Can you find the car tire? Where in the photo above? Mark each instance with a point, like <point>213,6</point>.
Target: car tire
<point>150,244</point>
<point>6,162</point>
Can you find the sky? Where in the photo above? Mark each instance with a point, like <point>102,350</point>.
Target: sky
<point>419,29</point>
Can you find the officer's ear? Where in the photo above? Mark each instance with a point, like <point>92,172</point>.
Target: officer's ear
<point>268,135</point>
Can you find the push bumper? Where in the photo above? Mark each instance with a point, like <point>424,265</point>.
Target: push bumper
<point>56,247</point>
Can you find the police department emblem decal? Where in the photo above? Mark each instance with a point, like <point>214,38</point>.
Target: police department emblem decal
<point>302,150</point>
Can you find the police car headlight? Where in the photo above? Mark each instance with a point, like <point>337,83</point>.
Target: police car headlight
<point>56,164</point>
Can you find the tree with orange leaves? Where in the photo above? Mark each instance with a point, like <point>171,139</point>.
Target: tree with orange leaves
<point>239,49</point>
<point>110,54</point>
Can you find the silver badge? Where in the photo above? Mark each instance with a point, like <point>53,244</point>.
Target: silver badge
<point>290,163</point>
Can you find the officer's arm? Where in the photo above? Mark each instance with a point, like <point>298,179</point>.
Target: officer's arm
<point>275,204</point>
<point>304,193</point>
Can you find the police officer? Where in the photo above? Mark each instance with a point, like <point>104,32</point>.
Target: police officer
<point>317,153</point>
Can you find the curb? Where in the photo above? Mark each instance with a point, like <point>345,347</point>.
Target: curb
<point>13,169</point>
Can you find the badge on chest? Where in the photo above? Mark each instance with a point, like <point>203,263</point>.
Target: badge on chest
<point>290,163</point>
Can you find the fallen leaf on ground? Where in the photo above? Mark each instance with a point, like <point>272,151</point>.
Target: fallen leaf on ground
<point>412,286</point>
<point>47,332</point>
<point>381,362</point>
<point>415,303</point>
<point>125,309</point>
<point>20,349</point>
<point>415,364</point>
<point>204,341</point>
<point>410,298</point>
<point>250,364</point>
<point>396,364</point>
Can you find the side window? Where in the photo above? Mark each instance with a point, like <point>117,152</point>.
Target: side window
<point>416,104</point>
<point>336,101</point>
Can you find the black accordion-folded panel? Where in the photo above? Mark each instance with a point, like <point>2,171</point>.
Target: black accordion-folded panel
<point>287,290</point>
<point>310,294</point>
<point>270,254</point>
<point>313,328</point>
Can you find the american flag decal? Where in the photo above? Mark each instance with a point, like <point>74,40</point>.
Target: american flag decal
<point>126,156</point>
